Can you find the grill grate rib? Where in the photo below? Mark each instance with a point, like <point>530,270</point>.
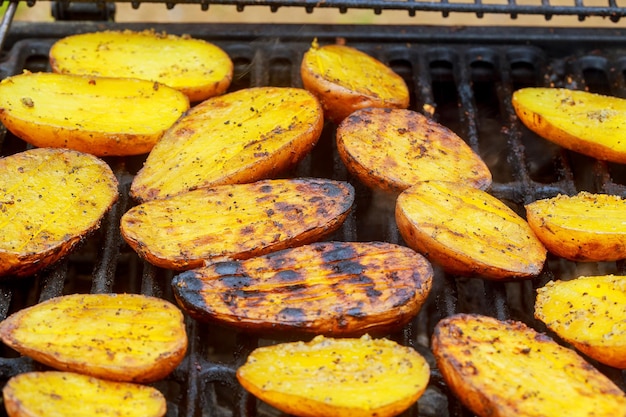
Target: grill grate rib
<point>105,10</point>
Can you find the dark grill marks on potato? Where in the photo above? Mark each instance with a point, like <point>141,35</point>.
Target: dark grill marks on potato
<point>254,219</point>
<point>331,288</point>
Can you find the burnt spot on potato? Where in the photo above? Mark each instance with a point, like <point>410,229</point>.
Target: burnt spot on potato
<point>293,315</point>
<point>289,275</point>
<point>331,288</point>
<point>339,253</point>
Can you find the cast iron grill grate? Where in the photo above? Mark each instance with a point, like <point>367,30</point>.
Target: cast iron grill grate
<point>105,9</point>
<point>466,77</point>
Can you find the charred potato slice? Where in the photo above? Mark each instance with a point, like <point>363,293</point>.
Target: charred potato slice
<point>50,200</point>
<point>345,79</point>
<point>331,288</point>
<point>63,394</point>
<point>97,115</point>
<point>120,337</point>
<point>392,149</point>
<point>580,121</point>
<point>195,67</point>
<point>468,231</point>
<point>505,368</point>
<point>585,227</point>
<point>336,377</point>
<point>588,312</point>
<point>243,220</point>
<point>240,137</point>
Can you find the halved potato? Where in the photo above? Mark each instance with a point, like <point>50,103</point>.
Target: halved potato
<point>50,199</point>
<point>236,221</point>
<point>345,79</point>
<point>585,227</point>
<point>336,377</point>
<point>330,288</point>
<point>64,394</point>
<point>588,123</point>
<point>97,115</point>
<point>504,368</point>
<point>244,136</point>
<point>120,337</point>
<point>588,312</point>
<point>468,231</point>
<point>392,149</point>
<point>197,68</point>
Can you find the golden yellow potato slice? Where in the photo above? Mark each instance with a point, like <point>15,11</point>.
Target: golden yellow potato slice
<point>336,377</point>
<point>468,231</point>
<point>330,288</point>
<point>66,394</point>
<point>197,68</point>
<point>583,122</point>
<point>345,79</point>
<point>584,227</point>
<point>101,116</point>
<point>504,368</point>
<point>244,136</point>
<point>50,199</point>
<point>236,221</point>
<point>392,149</point>
<point>588,312</point>
<point>121,337</point>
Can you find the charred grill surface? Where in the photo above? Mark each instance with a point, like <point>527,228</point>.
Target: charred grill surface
<point>464,78</point>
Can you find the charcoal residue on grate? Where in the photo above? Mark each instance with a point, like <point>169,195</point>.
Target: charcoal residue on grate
<point>467,80</point>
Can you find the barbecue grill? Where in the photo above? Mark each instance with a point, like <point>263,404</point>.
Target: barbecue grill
<point>462,76</point>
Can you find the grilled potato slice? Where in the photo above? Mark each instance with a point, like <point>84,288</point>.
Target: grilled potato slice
<point>195,67</point>
<point>467,231</point>
<point>64,394</point>
<point>501,369</point>
<point>345,79</point>
<point>331,288</point>
<point>120,337</point>
<point>244,220</point>
<point>588,123</point>
<point>49,200</point>
<point>97,115</point>
<point>585,227</point>
<point>336,377</point>
<point>590,313</point>
<point>392,149</point>
<point>244,136</point>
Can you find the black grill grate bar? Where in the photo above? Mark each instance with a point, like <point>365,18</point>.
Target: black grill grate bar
<point>444,7</point>
<point>105,268</point>
<point>52,283</point>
